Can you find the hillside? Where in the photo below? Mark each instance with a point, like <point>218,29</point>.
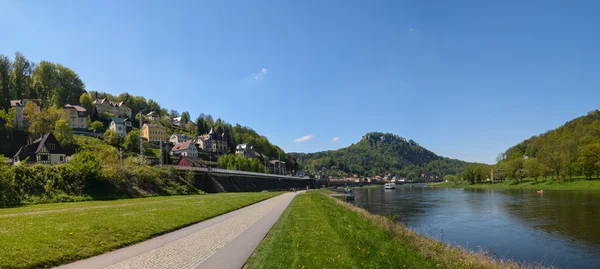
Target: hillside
<point>379,154</point>
<point>574,134</point>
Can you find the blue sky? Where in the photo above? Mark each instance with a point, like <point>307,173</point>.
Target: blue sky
<point>465,79</point>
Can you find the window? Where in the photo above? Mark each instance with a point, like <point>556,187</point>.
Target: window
<point>119,128</point>
<point>44,157</point>
<point>51,147</point>
<point>73,120</point>
<point>62,158</point>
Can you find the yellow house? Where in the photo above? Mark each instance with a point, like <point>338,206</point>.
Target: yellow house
<point>77,116</point>
<point>154,132</point>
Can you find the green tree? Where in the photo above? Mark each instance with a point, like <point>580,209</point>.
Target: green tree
<point>590,160</point>
<point>534,168</point>
<point>185,117</point>
<point>8,117</point>
<point>96,127</point>
<point>515,168</point>
<point>200,125</point>
<point>132,141</point>
<point>111,137</point>
<point>86,101</point>
<point>21,76</point>
<point>64,134</point>
<point>5,70</point>
<point>42,121</point>
<point>44,81</point>
<point>451,178</point>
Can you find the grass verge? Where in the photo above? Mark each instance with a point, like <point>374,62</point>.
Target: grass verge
<point>53,234</point>
<point>317,231</point>
<point>574,184</point>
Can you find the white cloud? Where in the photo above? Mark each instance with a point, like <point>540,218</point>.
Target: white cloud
<point>303,139</point>
<point>260,75</point>
<point>335,139</point>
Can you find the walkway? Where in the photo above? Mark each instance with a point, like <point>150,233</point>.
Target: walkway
<point>226,241</point>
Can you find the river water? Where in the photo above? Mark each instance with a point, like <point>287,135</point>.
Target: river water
<point>559,228</point>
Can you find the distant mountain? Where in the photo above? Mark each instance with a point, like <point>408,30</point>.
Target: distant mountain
<point>571,138</point>
<point>380,154</point>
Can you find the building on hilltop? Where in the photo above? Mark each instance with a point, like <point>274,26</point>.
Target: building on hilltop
<point>19,105</point>
<point>213,142</point>
<point>44,150</point>
<point>77,116</point>
<point>179,138</point>
<point>152,116</point>
<point>154,133</point>
<point>118,109</point>
<point>245,150</point>
<point>121,125</point>
<point>186,148</point>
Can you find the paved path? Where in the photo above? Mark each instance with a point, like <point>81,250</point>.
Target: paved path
<point>225,241</point>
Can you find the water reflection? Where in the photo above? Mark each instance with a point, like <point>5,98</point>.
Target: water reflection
<point>561,228</point>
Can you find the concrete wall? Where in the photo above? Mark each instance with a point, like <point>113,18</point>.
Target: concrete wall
<point>233,183</point>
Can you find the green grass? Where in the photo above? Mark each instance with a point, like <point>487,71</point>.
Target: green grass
<point>575,184</point>
<point>315,232</point>
<point>61,233</point>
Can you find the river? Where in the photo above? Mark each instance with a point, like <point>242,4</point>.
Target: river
<point>559,228</point>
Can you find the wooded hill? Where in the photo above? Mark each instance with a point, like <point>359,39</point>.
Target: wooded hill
<point>381,154</point>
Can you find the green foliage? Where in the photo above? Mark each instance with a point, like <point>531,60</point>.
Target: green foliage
<point>185,117</point>
<point>42,121</point>
<point>96,127</point>
<point>534,168</point>
<point>451,178</point>
<point>111,137</point>
<point>85,100</point>
<point>7,118</point>
<point>234,162</point>
<point>379,154</point>
<point>476,173</point>
<point>64,135</point>
<point>132,141</point>
<point>590,160</point>
<point>5,70</point>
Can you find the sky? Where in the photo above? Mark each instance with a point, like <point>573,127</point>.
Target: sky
<point>465,79</point>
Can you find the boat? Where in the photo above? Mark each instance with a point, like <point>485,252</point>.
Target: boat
<point>349,195</point>
<point>389,186</point>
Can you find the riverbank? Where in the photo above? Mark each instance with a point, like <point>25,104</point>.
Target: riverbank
<point>575,184</point>
<point>317,231</point>
<point>52,234</point>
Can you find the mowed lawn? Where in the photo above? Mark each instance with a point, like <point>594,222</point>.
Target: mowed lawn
<point>52,234</point>
<point>315,232</point>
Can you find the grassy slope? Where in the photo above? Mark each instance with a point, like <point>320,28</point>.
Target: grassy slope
<point>53,238</point>
<point>319,232</point>
<point>575,184</point>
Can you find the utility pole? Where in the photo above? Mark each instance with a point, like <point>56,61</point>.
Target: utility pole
<point>279,162</point>
<point>141,140</point>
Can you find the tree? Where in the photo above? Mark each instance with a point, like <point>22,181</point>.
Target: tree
<point>96,127</point>
<point>191,128</point>
<point>8,118</point>
<point>64,134</point>
<point>534,168</point>
<point>69,87</point>
<point>451,178</point>
<point>185,117</point>
<point>21,76</point>
<point>5,69</point>
<point>590,160</point>
<point>85,100</point>
<point>200,125</point>
<point>111,137</point>
<point>515,168</point>
<point>44,81</point>
<point>132,141</point>
<point>41,121</point>
<point>173,113</point>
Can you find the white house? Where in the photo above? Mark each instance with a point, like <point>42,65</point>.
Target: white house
<point>152,116</point>
<point>186,148</point>
<point>44,150</point>
<point>121,126</point>
<point>179,138</point>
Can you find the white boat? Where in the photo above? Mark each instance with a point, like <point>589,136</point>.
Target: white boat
<point>389,186</point>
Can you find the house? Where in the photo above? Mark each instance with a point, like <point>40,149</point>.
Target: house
<point>301,173</point>
<point>121,125</point>
<point>154,132</point>
<point>152,116</point>
<point>19,105</point>
<point>117,109</point>
<point>179,138</point>
<point>245,150</point>
<point>177,122</point>
<point>77,116</point>
<point>186,148</point>
<point>276,167</point>
<point>191,161</point>
<point>44,150</point>
<point>213,142</point>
